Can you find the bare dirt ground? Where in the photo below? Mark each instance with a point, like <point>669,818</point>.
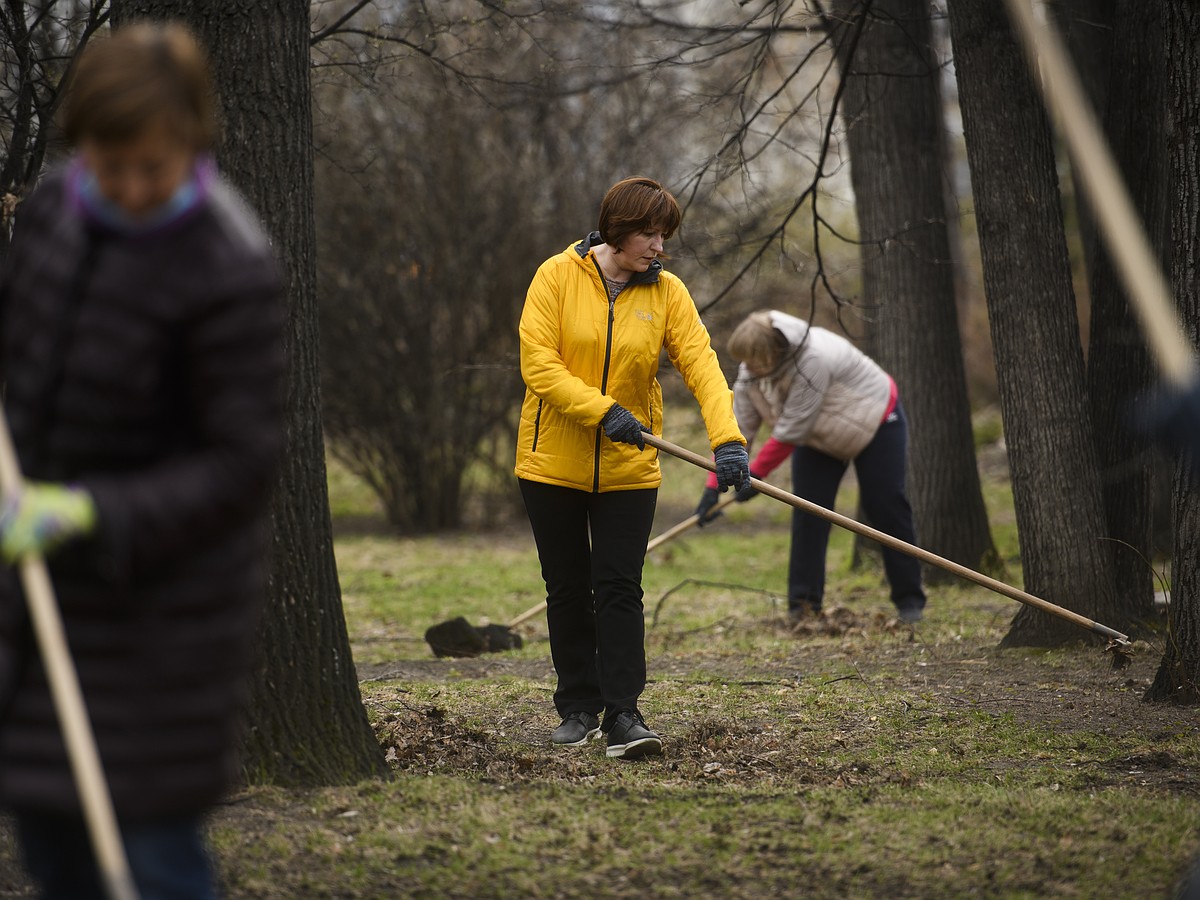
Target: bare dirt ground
<point>1072,692</point>
<point>1079,691</point>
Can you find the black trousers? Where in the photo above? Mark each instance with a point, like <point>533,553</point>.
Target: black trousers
<point>880,468</point>
<point>591,547</point>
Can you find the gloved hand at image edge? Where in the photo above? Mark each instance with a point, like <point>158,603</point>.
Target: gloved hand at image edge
<point>622,427</point>
<point>42,516</point>
<point>732,465</point>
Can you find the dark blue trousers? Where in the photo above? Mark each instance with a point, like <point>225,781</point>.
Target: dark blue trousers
<point>591,547</point>
<point>167,858</point>
<point>880,468</point>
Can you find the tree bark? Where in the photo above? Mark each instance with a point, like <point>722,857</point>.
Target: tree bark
<point>893,114</point>
<point>1124,83</point>
<point>1034,327</point>
<point>1086,26</point>
<point>307,724</point>
<point>1118,363</point>
<point>1178,677</point>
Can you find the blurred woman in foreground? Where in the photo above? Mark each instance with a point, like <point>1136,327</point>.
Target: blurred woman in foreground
<point>141,338</point>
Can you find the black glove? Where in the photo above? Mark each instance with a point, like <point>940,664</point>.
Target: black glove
<point>746,492</point>
<point>621,426</point>
<point>733,466</point>
<point>704,509</point>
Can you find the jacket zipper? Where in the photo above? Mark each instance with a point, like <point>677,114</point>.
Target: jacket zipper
<point>612,302</point>
<point>537,426</point>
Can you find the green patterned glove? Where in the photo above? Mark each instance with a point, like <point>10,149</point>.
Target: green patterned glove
<point>42,516</point>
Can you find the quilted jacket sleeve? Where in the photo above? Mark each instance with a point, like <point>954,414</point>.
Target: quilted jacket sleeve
<point>690,350</point>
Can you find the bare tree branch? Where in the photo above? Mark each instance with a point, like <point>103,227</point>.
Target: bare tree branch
<point>809,193</point>
<point>335,26</point>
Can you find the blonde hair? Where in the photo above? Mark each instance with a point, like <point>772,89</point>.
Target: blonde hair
<point>141,74</point>
<point>758,343</point>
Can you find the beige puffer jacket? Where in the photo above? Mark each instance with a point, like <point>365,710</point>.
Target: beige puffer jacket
<point>827,395</point>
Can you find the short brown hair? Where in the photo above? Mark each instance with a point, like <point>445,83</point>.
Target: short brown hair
<point>137,75</point>
<point>635,204</point>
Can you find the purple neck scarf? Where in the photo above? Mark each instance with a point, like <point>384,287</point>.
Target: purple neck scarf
<point>187,199</point>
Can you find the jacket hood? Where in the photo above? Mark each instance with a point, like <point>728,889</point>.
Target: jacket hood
<point>827,394</point>
<point>794,329</point>
<point>650,276</point>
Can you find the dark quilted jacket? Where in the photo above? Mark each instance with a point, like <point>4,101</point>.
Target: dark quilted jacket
<point>147,369</point>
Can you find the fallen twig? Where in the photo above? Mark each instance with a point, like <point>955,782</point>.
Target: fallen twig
<point>717,584</point>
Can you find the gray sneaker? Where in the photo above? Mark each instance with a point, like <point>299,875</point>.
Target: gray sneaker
<point>629,738</point>
<point>577,729</point>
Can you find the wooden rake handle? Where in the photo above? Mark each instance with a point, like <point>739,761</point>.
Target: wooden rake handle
<point>896,544</point>
<point>527,615</point>
<point>690,522</point>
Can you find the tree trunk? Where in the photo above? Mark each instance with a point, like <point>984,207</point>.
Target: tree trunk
<point>893,110</point>
<point>1118,363</point>
<point>1086,27</point>
<point>1178,677</point>
<point>1124,83</point>
<point>1034,327</point>
<point>307,722</point>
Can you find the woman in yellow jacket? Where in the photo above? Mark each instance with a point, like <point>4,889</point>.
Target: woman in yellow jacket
<point>595,321</point>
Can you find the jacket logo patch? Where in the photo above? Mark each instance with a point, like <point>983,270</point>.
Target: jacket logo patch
<point>644,315</point>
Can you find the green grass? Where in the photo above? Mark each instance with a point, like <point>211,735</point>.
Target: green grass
<point>849,786</point>
<point>394,588</point>
<point>442,835</point>
<point>349,496</point>
<point>859,759</point>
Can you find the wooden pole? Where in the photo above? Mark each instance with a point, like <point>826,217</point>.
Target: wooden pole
<point>896,544</point>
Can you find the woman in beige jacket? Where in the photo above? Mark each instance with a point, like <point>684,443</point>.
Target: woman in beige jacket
<point>827,405</point>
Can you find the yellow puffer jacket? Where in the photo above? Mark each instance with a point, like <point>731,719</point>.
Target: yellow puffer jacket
<point>580,355</point>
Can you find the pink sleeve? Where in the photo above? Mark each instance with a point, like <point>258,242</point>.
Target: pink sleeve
<point>767,460</point>
<point>893,396</point>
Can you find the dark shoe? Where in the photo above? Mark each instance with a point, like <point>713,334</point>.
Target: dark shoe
<point>910,613</point>
<point>577,729</point>
<point>629,738</point>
